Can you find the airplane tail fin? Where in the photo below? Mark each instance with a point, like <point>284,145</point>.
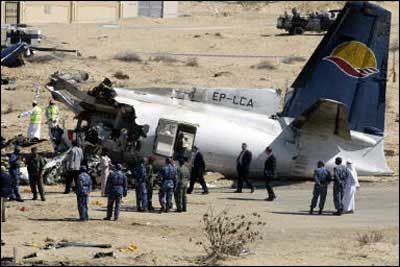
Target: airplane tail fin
<point>349,66</point>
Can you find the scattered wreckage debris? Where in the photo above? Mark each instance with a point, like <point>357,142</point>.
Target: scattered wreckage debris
<point>103,122</point>
<point>104,254</point>
<point>52,244</point>
<point>32,255</point>
<point>23,141</point>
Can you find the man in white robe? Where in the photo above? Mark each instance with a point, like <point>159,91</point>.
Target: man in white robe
<point>350,190</point>
<point>105,163</point>
<point>35,121</point>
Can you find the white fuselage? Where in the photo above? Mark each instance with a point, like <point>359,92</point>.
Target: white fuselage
<point>221,131</point>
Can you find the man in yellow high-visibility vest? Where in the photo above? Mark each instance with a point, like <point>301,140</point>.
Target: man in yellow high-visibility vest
<point>36,120</point>
<point>52,114</point>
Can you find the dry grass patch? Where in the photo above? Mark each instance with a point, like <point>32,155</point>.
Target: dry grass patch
<point>371,237</point>
<point>292,59</point>
<point>266,64</point>
<point>192,62</point>
<point>164,59</point>
<point>227,235</point>
<point>127,56</point>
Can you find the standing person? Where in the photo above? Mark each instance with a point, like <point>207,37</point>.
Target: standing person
<point>14,163</point>
<point>117,186</point>
<point>139,173</point>
<point>74,160</point>
<point>243,162</point>
<point>322,179</point>
<point>340,175</point>
<point>105,163</point>
<point>52,115</point>
<point>150,181</point>
<point>181,185</point>
<point>349,202</point>
<point>83,188</point>
<point>168,174</point>
<point>269,173</point>
<point>35,165</point>
<point>36,120</point>
<point>6,190</point>
<point>198,171</point>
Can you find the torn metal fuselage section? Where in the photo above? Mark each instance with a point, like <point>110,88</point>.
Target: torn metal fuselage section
<point>103,122</point>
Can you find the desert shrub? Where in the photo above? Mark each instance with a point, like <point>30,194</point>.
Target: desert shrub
<point>192,62</point>
<point>266,64</point>
<point>227,235</point>
<point>163,58</point>
<point>292,59</point>
<point>394,46</point>
<point>127,56</point>
<point>369,238</point>
<point>121,76</point>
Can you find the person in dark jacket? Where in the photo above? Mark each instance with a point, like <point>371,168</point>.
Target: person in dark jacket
<point>14,163</point>
<point>139,174</point>
<point>243,162</point>
<point>269,173</point>
<point>83,188</point>
<point>116,187</point>
<point>35,165</point>
<point>322,178</point>
<point>6,190</point>
<point>198,171</point>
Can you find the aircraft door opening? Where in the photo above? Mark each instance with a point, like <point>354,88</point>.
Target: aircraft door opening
<point>174,139</point>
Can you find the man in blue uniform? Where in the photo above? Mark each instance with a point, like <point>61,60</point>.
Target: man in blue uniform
<point>6,190</point>
<point>116,187</point>
<point>139,174</point>
<point>14,162</point>
<point>322,178</point>
<point>83,188</point>
<point>340,175</point>
<point>168,174</point>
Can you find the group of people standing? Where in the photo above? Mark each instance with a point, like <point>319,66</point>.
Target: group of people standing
<point>345,184</point>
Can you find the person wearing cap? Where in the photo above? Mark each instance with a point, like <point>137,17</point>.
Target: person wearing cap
<point>105,163</point>
<point>35,165</point>
<point>83,188</point>
<point>139,174</point>
<point>52,115</point>
<point>168,175</point>
<point>340,176</point>
<point>116,188</point>
<point>243,162</point>
<point>36,120</point>
<point>6,190</point>
<point>150,181</point>
<point>198,171</point>
<point>14,164</point>
<point>349,201</point>
<point>322,178</point>
<point>269,173</point>
<point>181,185</point>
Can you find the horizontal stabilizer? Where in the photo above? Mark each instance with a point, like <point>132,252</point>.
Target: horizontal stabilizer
<point>325,116</point>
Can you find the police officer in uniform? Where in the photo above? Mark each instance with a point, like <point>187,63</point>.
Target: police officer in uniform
<point>139,173</point>
<point>168,175</point>
<point>83,188</point>
<point>116,187</point>
<point>340,175</point>
<point>14,163</point>
<point>150,181</point>
<point>181,186</point>
<point>35,165</point>
<point>322,178</point>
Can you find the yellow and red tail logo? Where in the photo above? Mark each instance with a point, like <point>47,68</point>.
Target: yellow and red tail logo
<point>355,59</point>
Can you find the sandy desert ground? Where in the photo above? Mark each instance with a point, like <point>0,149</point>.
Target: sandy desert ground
<point>209,28</point>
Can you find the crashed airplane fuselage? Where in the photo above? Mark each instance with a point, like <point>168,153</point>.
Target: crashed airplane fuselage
<point>334,110</point>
